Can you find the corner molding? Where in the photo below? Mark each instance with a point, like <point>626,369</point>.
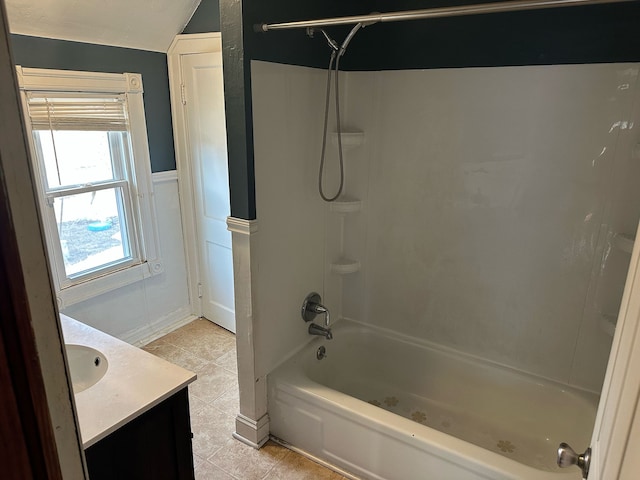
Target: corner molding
<point>164,177</point>
<point>254,433</point>
<point>190,43</point>
<point>240,225</point>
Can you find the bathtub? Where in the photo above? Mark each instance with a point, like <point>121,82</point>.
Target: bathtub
<point>384,406</point>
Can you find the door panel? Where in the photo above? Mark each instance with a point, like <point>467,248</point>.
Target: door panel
<point>204,114</point>
<point>621,390</point>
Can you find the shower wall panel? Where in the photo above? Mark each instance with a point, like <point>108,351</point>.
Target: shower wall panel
<point>491,200</point>
<point>288,103</point>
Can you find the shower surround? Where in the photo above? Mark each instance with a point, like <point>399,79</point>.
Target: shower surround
<point>491,201</point>
<point>492,196</point>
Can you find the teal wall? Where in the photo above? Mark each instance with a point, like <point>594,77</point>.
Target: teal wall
<point>594,34</point>
<point>64,55</point>
<point>573,35</point>
<point>205,19</point>
<point>605,33</point>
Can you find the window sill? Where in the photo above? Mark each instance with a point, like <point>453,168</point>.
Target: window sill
<point>98,286</point>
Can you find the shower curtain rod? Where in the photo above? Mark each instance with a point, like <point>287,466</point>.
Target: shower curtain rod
<point>477,9</point>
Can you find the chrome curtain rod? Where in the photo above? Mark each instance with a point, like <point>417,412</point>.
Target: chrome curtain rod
<point>478,9</point>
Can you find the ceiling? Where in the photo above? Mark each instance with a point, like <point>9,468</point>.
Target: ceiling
<point>142,24</point>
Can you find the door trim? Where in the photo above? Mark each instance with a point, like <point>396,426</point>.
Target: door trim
<point>187,45</point>
<point>619,402</point>
<point>41,434</point>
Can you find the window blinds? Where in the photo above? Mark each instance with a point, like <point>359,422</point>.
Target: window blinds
<point>53,111</point>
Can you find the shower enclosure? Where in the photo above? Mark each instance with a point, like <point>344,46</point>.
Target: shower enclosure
<point>488,212</point>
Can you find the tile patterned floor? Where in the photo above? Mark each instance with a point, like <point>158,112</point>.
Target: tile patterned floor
<point>210,351</point>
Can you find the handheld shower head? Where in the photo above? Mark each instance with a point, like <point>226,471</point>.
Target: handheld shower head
<point>352,33</point>
<point>332,43</point>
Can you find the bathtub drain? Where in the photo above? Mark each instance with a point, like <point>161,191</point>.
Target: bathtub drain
<point>321,352</point>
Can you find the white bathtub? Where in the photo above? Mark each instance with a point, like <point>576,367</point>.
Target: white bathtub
<point>441,415</point>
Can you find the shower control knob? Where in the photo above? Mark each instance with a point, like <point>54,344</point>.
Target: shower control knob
<point>310,306</point>
<point>567,457</point>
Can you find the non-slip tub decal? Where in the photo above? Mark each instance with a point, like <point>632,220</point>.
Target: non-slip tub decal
<point>506,446</point>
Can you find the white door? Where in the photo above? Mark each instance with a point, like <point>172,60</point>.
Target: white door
<point>203,108</point>
<point>616,437</point>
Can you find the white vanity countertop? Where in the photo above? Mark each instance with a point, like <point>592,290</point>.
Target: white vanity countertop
<point>135,382</point>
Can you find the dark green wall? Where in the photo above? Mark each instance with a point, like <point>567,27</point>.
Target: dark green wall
<point>63,55</point>
<point>573,35</point>
<point>237,97</point>
<point>594,34</point>
<point>205,19</point>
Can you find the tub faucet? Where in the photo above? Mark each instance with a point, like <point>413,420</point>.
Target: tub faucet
<point>320,330</point>
<point>312,307</point>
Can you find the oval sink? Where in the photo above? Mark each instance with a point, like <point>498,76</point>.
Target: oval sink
<point>87,366</point>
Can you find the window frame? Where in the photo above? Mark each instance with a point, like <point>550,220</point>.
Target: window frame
<point>145,241</point>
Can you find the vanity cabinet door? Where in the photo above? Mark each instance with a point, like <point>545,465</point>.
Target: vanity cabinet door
<point>156,445</point>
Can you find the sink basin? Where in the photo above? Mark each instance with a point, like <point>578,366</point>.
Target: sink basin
<point>87,366</point>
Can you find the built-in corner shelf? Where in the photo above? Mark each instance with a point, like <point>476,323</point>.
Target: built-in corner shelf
<point>346,204</point>
<point>623,242</point>
<point>350,139</point>
<point>608,324</point>
<point>345,266</point>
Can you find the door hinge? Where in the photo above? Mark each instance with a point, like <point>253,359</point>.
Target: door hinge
<point>199,290</point>
<point>183,94</point>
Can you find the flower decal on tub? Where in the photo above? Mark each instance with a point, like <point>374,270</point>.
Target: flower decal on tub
<point>419,416</point>
<point>375,403</point>
<point>506,446</point>
<point>391,401</point>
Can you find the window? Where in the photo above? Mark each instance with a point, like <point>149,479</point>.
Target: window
<point>91,164</point>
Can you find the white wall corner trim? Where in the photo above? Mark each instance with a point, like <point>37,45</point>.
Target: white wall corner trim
<point>252,422</point>
<point>240,225</point>
<point>254,433</point>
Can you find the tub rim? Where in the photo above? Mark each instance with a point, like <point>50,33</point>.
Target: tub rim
<point>290,378</point>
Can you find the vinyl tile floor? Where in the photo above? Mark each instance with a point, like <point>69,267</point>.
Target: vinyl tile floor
<point>210,352</point>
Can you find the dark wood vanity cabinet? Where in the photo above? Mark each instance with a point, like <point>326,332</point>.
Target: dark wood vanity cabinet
<point>155,446</point>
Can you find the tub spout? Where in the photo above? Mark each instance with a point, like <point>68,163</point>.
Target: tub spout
<point>320,330</point>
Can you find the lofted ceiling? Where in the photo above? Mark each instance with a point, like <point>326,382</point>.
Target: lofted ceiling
<point>142,24</point>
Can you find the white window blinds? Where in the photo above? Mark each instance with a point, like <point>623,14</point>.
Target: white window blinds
<point>55,111</point>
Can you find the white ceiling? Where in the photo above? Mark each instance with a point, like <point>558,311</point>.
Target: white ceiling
<point>142,24</point>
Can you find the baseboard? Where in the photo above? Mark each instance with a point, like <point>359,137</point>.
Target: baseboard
<point>152,331</point>
<point>257,446</point>
<point>254,433</point>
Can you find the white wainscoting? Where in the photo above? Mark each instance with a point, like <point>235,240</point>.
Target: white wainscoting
<point>151,307</point>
